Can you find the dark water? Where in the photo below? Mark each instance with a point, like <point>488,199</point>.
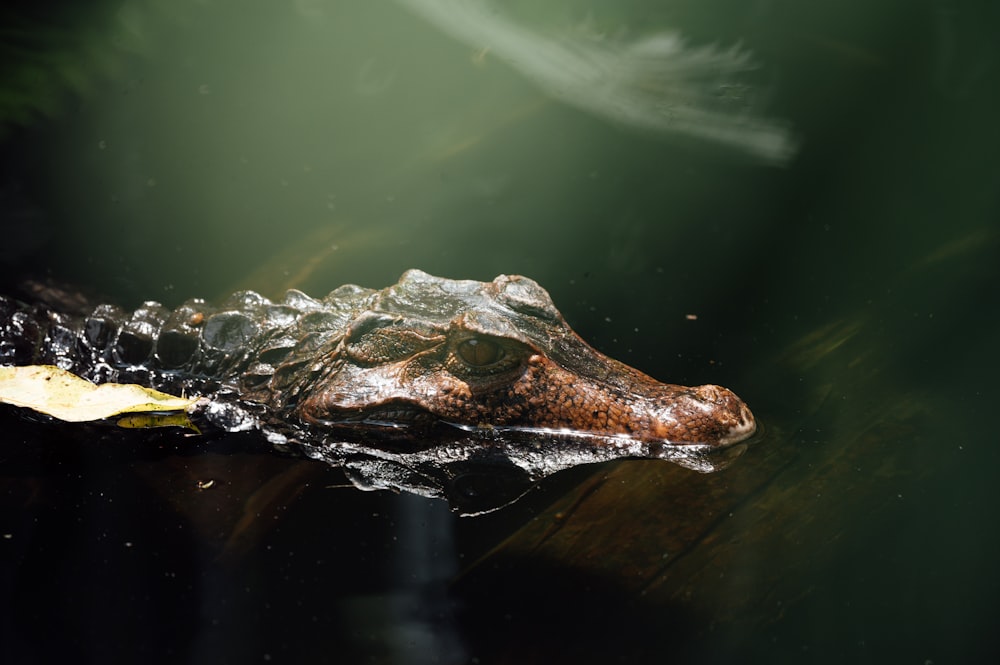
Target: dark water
<point>164,150</point>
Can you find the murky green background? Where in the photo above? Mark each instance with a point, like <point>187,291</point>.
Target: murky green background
<point>162,150</point>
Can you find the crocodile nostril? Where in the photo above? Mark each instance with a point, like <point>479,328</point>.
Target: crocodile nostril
<point>713,393</point>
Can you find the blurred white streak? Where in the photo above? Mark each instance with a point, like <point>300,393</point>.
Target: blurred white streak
<point>655,83</point>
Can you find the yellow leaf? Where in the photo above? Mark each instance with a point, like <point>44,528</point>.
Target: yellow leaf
<point>148,420</point>
<point>63,395</point>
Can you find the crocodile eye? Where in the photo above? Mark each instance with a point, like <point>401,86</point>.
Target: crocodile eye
<point>479,352</point>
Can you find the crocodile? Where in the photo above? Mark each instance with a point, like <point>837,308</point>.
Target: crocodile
<point>470,391</point>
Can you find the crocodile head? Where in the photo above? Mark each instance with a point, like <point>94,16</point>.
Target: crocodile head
<point>499,355</point>
<point>494,366</point>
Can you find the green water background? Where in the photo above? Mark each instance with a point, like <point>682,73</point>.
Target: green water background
<point>176,149</point>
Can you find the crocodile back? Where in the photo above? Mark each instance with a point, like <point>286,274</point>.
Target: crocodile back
<point>196,348</point>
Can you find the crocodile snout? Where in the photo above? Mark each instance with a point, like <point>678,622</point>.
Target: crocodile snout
<point>702,415</point>
<point>730,411</point>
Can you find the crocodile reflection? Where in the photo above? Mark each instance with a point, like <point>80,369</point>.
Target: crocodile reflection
<point>466,390</point>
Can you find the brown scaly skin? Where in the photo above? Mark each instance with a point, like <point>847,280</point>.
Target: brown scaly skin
<point>534,392</point>
<point>434,386</point>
